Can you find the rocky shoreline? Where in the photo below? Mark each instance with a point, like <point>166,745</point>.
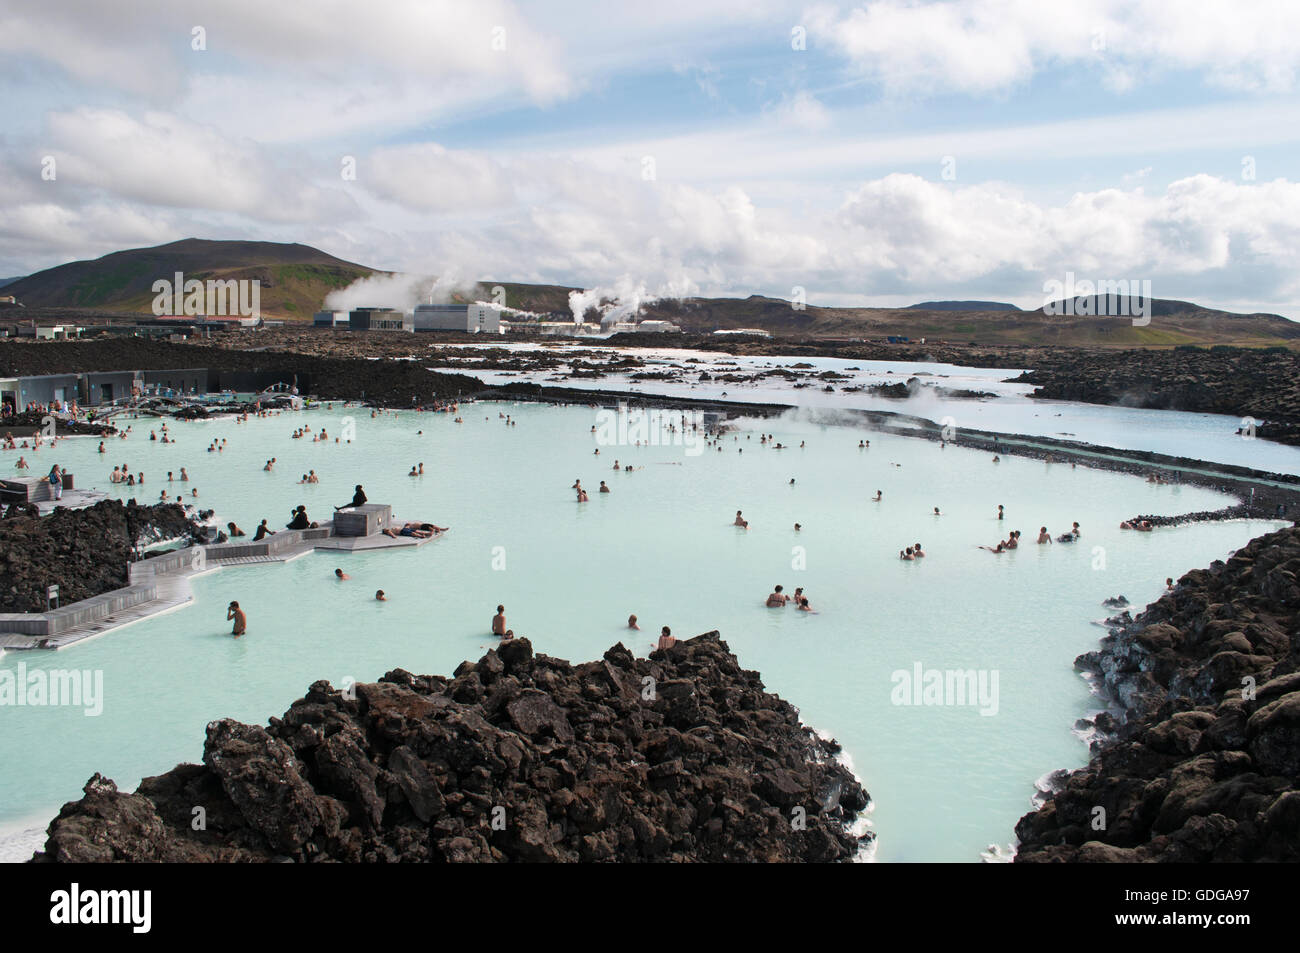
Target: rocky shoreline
<point>83,551</point>
<point>1202,762</point>
<point>681,756</point>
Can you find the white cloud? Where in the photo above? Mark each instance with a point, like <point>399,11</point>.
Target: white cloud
<point>159,159</point>
<point>985,46</point>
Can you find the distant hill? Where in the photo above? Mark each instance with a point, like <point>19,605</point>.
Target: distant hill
<point>294,278</point>
<point>1172,323</point>
<point>8,281</point>
<point>962,306</point>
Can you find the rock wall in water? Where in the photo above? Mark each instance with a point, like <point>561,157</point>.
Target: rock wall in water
<point>1205,764</point>
<point>519,757</point>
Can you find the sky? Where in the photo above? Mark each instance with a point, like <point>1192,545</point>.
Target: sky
<point>878,153</point>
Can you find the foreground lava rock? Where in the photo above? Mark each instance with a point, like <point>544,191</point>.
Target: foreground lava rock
<point>1206,763</point>
<point>679,757</point>
<point>84,552</point>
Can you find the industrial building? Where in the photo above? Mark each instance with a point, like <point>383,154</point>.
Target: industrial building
<point>470,318</point>
<point>330,319</point>
<point>379,319</point>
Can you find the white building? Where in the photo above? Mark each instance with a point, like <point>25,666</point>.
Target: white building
<point>470,318</point>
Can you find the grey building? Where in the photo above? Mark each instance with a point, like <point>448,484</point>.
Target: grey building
<point>378,319</point>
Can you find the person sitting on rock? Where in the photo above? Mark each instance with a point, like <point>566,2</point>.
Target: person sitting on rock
<point>499,622</point>
<point>666,640</point>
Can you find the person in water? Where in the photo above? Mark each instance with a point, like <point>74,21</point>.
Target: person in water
<point>906,554</point>
<point>241,621</point>
<point>666,640</point>
<point>379,596</point>
<point>263,531</point>
<point>917,552</point>
<point>603,487</point>
<point>999,511</point>
<point>358,499</point>
<point>499,622</point>
<point>741,521</point>
<point>340,575</point>
<point>235,530</point>
<point>1169,583</point>
<point>1043,535</point>
<point>777,599</point>
<point>878,497</point>
<point>631,623</point>
<point>804,606</point>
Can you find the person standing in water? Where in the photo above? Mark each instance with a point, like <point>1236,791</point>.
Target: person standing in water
<point>631,623</point>
<point>241,621</point>
<point>499,622</point>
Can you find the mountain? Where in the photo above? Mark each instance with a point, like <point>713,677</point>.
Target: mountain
<point>294,278</point>
<point>1172,323</point>
<point>962,306</point>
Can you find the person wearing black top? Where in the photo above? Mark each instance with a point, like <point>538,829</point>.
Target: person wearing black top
<point>358,499</point>
<point>300,520</point>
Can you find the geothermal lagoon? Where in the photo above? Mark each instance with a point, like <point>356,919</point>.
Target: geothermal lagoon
<point>948,781</point>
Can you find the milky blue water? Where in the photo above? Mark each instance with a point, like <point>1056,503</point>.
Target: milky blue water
<point>947,780</point>
<point>1210,437</point>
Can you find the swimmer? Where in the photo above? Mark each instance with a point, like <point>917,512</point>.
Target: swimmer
<point>792,481</point>
<point>797,527</point>
<point>878,497</point>
<point>906,555</point>
<point>1043,535</point>
<point>999,511</point>
<point>379,596</point>
<point>615,464</point>
<point>1169,583</point>
<point>603,488</point>
<point>241,621</point>
<point>777,599</point>
<point>936,511</point>
<point>740,521</point>
<point>631,623</point>
<point>804,606</point>
<point>917,551</point>
<point>499,622</point>
<point>340,575</point>
<point>234,530</point>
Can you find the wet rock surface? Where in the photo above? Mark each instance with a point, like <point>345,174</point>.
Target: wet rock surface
<point>84,552</point>
<point>681,756</point>
<point>1203,761</point>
